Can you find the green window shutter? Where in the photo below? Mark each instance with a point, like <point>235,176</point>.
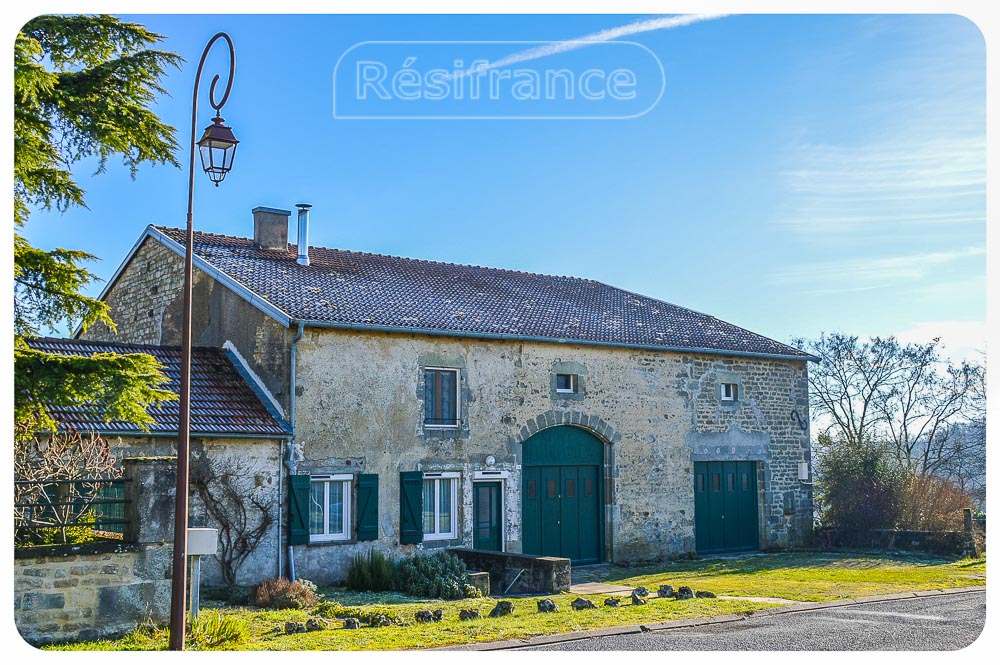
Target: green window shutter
<point>298,510</point>
<point>411,506</point>
<point>368,506</point>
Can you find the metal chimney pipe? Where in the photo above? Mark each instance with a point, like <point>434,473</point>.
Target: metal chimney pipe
<point>303,236</point>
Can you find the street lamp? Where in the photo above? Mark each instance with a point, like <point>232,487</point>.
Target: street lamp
<point>218,148</point>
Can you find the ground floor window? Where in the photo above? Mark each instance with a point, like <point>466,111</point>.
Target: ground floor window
<point>330,508</point>
<point>440,501</point>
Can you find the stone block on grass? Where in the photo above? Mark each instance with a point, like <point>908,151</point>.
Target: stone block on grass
<point>546,605</point>
<point>502,609</point>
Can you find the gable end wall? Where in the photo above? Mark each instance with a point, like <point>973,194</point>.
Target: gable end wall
<point>146,304</point>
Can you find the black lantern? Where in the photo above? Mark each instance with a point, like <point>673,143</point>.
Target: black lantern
<point>218,149</point>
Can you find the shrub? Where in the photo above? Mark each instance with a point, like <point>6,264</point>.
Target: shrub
<point>860,487</point>
<point>930,503</point>
<point>211,629</point>
<point>280,594</point>
<point>439,575</point>
<point>371,572</point>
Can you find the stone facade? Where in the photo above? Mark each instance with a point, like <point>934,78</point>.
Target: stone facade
<point>359,406</point>
<point>257,458</point>
<point>360,410</point>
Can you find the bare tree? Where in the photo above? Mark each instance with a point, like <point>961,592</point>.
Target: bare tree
<point>907,396</point>
<point>236,502</point>
<point>43,499</point>
<point>967,467</point>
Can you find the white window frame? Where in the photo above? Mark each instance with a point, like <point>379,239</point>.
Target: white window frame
<point>734,395</point>
<point>458,397</point>
<point>348,487</point>
<point>573,382</point>
<point>454,477</point>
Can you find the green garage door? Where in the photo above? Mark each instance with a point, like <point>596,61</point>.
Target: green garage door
<point>725,506</point>
<point>562,494</point>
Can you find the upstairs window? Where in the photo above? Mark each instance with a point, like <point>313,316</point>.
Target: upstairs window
<point>730,392</point>
<point>440,397</point>
<point>566,383</point>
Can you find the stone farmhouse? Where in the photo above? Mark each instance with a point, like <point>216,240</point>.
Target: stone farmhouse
<point>418,405</point>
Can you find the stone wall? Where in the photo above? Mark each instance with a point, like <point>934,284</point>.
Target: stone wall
<point>141,297</point>
<point>97,591</point>
<point>769,422</point>
<point>953,543</point>
<point>87,591</point>
<point>520,573</point>
<point>92,590</point>
<point>360,411</point>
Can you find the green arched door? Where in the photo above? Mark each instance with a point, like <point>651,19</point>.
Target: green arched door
<point>562,494</point>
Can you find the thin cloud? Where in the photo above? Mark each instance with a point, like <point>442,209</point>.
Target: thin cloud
<point>887,188</point>
<point>960,340</point>
<point>915,168</point>
<point>563,46</point>
<point>858,274</point>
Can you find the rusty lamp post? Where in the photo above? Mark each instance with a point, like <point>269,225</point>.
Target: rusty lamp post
<point>218,149</point>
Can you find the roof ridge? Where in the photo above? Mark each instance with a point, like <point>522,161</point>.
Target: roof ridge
<point>346,287</point>
<point>103,342</point>
<point>404,258</point>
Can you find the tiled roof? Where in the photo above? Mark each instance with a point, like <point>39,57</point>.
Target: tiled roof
<point>223,402</point>
<point>344,288</point>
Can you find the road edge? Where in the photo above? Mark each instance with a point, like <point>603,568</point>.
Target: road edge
<point>541,640</point>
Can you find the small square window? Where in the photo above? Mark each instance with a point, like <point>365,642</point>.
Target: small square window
<point>730,392</point>
<point>566,383</point>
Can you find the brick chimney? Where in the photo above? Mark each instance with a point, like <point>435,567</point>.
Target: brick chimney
<point>270,228</point>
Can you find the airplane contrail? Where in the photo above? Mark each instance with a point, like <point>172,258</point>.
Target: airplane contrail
<point>562,46</point>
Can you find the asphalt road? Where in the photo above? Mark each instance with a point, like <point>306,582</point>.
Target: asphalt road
<point>933,623</point>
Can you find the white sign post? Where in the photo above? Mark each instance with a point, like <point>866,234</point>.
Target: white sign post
<point>200,543</point>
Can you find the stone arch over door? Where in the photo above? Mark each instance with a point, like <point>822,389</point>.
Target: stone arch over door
<point>566,487</point>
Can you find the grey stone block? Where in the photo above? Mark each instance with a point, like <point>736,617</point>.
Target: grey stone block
<point>134,602</point>
<point>43,601</point>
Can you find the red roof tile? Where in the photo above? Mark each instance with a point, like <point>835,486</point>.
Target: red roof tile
<point>223,400</point>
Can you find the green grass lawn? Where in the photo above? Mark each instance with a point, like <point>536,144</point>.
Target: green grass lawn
<point>811,576</point>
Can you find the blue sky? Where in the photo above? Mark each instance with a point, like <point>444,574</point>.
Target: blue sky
<point>798,174</point>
